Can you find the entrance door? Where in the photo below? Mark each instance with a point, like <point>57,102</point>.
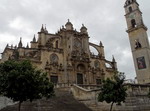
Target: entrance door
<point>54,79</point>
<point>79,78</point>
<point>98,81</point>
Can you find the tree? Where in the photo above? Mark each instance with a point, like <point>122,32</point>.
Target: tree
<point>148,94</point>
<point>20,82</point>
<point>113,91</point>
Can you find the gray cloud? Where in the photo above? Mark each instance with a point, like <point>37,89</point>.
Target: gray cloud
<point>103,18</point>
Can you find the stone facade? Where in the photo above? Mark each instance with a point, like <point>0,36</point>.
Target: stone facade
<point>139,42</point>
<point>65,56</point>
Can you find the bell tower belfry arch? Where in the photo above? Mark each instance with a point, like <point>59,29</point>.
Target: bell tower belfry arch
<point>140,48</point>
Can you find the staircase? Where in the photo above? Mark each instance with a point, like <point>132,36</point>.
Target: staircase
<point>135,104</point>
<point>63,101</point>
<point>131,104</point>
<point>99,106</point>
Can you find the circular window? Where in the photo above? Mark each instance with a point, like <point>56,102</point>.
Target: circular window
<point>54,58</point>
<point>77,44</point>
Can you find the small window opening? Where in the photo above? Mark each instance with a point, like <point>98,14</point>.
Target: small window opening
<point>133,23</point>
<point>130,9</point>
<point>57,44</point>
<point>137,44</point>
<point>98,81</point>
<point>129,2</point>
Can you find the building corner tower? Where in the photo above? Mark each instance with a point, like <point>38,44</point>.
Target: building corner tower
<point>140,48</point>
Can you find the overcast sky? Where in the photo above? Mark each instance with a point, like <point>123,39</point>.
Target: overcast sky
<point>103,18</point>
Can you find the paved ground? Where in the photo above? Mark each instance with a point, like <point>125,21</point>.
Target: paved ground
<point>63,101</point>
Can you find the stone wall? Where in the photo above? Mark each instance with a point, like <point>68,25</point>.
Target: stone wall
<point>4,101</point>
<point>137,99</point>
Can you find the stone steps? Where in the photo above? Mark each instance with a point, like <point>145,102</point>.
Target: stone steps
<point>63,101</point>
<point>131,104</point>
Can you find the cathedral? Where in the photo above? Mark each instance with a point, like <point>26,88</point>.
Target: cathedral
<point>65,56</point>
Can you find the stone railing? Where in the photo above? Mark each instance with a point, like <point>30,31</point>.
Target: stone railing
<point>81,93</point>
<point>90,87</point>
<point>62,85</point>
<point>132,89</point>
<point>137,89</point>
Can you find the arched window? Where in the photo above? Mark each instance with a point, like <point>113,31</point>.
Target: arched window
<point>133,23</point>
<point>129,2</point>
<point>108,65</point>
<point>137,44</point>
<point>130,9</point>
<point>56,44</point>
<point>81,68</point>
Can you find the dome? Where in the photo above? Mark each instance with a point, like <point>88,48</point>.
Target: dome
<point>83,29</point>
<point>69,25</point>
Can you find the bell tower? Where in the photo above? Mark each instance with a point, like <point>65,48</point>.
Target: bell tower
<point>140,48</point>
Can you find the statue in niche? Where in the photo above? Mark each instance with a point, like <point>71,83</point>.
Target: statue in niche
<point>137,44</point>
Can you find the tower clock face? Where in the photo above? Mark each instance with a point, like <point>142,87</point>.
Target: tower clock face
<point>77,44</point>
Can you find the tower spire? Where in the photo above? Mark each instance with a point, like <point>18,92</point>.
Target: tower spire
<point>129,2</point>
<point>20,43</point>
<point>34,39</point>
<point>113,59</point>
<point>101,44</point>
<point>42,29</point>
<point>7,46</point>
<point>45,29</point>
<point>27,45</point>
